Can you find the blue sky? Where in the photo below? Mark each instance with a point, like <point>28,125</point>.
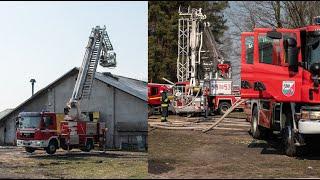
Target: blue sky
<point>44,40</point>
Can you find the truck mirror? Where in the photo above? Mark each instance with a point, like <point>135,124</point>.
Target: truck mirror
<point>291,51</point>
<point>274,34</point>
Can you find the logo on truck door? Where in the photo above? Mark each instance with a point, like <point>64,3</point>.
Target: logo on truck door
<point>288,88</point>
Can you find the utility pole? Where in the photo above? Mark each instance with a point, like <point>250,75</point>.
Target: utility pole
<point>32,84</point>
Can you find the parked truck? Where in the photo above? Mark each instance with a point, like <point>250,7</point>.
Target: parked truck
<point>280,71</point>
<point>45,130</point>
<point>49,131</point>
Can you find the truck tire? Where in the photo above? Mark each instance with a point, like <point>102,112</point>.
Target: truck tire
<point>88,146</point>
<point>52,147</point>
<point>30,149</point>
<point>288,141</point>
<point>255,130</point>
<point>223,107</point>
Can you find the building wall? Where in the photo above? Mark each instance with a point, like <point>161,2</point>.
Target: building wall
<point>113,104</point>
<point>131,119</point>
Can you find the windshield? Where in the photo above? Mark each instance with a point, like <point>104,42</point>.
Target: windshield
<point>29,122</point>
<point>312,48</point>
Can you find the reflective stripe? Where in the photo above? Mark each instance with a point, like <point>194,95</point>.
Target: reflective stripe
<point>164,105</point>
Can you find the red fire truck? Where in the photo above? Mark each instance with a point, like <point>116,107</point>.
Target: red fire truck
<point>45,130</point>
<point>48,131</point>
<point>154,94</point>
<point>280,71</point>
<point>204,76</point>
<point>219,97</point>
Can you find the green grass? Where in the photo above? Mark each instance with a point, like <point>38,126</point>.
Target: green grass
<point>81,167</point>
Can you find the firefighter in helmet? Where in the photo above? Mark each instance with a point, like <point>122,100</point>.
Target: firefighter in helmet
<point>164,106</point>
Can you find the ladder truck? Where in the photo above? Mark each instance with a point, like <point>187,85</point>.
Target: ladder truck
<point>280,71</point>
<point>204,77</point>
<point>50,130</point>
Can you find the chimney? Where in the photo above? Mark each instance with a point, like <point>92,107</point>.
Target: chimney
<point>32,84</point>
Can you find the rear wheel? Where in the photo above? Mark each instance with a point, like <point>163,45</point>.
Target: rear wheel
<point>223,107</point>
<point>30,149</point>
<point>52,147</point>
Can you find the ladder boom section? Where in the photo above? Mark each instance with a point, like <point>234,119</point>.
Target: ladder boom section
<point>99,48</point>
<point>211,46</point>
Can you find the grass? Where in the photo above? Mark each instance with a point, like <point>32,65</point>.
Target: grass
<point>87,167</point>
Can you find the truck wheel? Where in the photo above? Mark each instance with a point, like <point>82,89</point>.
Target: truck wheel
<point>88,146</point>
<point>30,149</point>
<point>255,131</point>
<point>223,107</point>
<point>288,141</point>
<point>52,147</point>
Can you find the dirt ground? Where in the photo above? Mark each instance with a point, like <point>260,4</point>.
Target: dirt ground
<point>16,163</point>
<point>224,154</point>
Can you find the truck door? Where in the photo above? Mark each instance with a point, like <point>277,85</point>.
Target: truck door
<point>269,76</point>
<point>247,66</point>
<point>48,125</point>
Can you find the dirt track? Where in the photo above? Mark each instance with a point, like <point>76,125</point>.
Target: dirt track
<point>224,154</point>
<point>16,163</point>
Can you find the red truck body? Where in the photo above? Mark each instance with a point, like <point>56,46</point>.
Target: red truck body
<point>45,130</point>
<point>280,79</point>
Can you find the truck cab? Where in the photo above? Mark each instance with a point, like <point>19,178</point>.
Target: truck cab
<point>37,130</point>
<point>280,71</point>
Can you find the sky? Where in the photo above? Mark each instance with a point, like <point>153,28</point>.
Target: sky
<point>44,40</point>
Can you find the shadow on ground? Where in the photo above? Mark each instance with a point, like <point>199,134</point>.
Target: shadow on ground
<point>82,155</point>
<point>273,145</point>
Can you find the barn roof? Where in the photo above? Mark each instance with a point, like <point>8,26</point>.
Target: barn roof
<point>5,112</point>
<point>133,87</point>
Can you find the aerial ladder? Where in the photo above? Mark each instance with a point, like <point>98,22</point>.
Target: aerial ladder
<point>199,62</point>
<point>98,49</point>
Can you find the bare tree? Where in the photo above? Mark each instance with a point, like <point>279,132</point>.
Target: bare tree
<point>301,13</point>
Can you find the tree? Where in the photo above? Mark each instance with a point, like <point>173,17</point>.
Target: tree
<point>163,33</point>
<point>246,15</point>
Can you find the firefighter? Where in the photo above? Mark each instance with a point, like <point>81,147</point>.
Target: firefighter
<point>164,106</point>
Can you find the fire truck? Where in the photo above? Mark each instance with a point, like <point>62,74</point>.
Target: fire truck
<point>154,96</point>
<point>204,77</point>
<point>48,131</point>
<point>74,129</point>
<point>280,71</point>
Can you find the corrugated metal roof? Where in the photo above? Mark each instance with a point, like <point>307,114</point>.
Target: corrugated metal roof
<point>131,86</point>
<point>134,87</point>
<point>5,112</point>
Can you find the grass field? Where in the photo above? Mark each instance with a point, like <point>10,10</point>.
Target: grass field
<point>15,163</point>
